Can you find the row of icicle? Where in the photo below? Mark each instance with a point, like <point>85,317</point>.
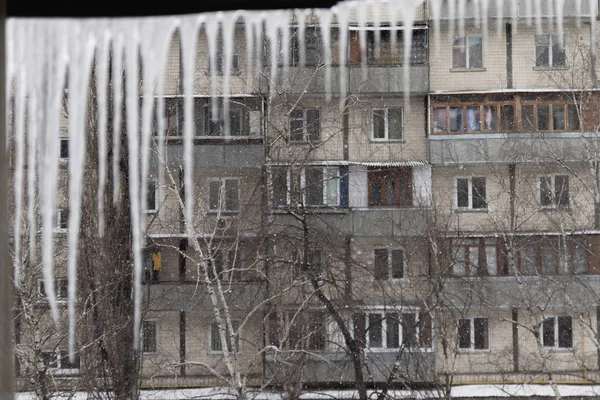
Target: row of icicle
<point>40,52</point>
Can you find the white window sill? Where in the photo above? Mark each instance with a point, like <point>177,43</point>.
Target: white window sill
<point>397,349</point>
<point>223,212</point>
<point>471,210</point>
<point>557,209</point>
<point>150,212</point>
<point>464,69</point>
<point>558,349</point>
<point>551,68</point>
<point>383,141</point>
<point>474,351</point>
<point>64,371</point>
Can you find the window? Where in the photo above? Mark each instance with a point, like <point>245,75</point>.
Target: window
<point>390,53</point>
<point>305,125</point>
<point>549,51</point>
<point>557,333</point>
<point>221,56</point>
<point>61,219</point>
<point>475,257</point>
<point>473,334</point>
<point>388,124</point>
<point>304,330</point>
<point>392,329</point>
<point>467,52</point>
<point>151,196</point>
<point>315,186</point>
<point>64,149</point>
<point>470,193</point>
<point>215,337</point>
<point>554,191</point>
<point>224,195</point>
<point>389,263</point>
<point>549,116</point>
<point>149,336</point>
<point>579,255</point>
<point>313,50</point>
<point>60,289</point>
<point>226,264</point>
<point>58,361</point>
<point>390,186</point>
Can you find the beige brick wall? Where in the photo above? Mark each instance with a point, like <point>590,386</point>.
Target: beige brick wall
<point>164,361</point>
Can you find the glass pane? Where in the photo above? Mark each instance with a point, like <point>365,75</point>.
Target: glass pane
<point>491,259</point>
<point>379,124</point>
<point>314,186</point>
<point>296,129</point>
<point>561,187</point>
<point>456,119</point>
<point>573,117</point>
<point>358,325</point>
<point>473,260</point>
<point>528,118</point>
<point>331,186</point>
<point>409,330</point>
<point>548,260</point>
<point>546,195</point>
<point>475,52</point>
<point>459,53</point>
<point>425,333</point>
<point>462,193</point>
<point>558,117</point>
<point>479,193</point>
<point>397,264</point>
<point>473,119</point>
<point>313,126</point>
<point>390,192</point>
<point>232,195</point>
<point>279,187</point>
<point>235,121</point>
<point>458,266</point>
<point>215,338</point>
<point>490,118</point>
<point>548,332</point>
<point>381,264</point>
<point>392,331</point>
<point>439,120</point>
<point>376,192</point>
<point>151,196</point>
<point>508,118</point>
<point>529,260</point>
<point>542,54</point>
<point>214,195</point>
<point>558,52</point>
<point>395,124</point>
<point>375,330</point>
<point>464,333</point>
<point>480,331</point>
<point>580,259</point>
<point>565,332</point>
<point>543,115</point>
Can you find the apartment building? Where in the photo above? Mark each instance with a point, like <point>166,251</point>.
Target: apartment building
<point>443,235</point>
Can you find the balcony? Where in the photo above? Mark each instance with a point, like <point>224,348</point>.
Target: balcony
<point>512,147</point>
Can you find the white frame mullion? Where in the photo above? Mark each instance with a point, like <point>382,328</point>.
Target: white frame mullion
<point>386,124</point>
<point>467,63</point>
<point>304,125</point>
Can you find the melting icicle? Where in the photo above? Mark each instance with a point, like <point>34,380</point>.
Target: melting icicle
<point>499,16</point>
<point>361,9</point>
<point>300,16</point>
<point>376,12</point>
<point>325,20</point>
<point>435,6</point>
<point>101,87</point>
<point>227,31</point>
<point>117,70</point>
<point>343,15</point>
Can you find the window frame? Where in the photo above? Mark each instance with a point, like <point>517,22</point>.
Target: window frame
<point>220,56</point>
<point>305,133</point>
<point>467,60</point>
<point>476,270</point>
<point>223,196</point>
<point>61,156</point>
<point>399,175</point>
<point>57,223</point>
<point>59,369</point>
<point>282,335</point>
<point>386,129</point>
<point>554,203</point>
<point>470,194</point>
<point>390,264</point>
<point>238,347</point>
<point>556,346</point>
<point>290,202</point>
<point>154,182</point>
<point>550,46</point>
<point>472,348</point>
<point>142,336</point>
<point>61,297</point>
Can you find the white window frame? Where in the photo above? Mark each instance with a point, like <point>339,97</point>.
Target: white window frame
<point>399,311</point>
<point>554,204</point>
<point>472,332</point>
<point>56,225</point>
<point>470,195</point>
<point>550,53</point>
<point>305,138</point>
<point>156,186</point>
<point>467,53</point>
<point>390,266</point>
<point>556,333</point>
<point>59,298</point>
<point>211,351</point>
<point>156,330</point>
<point>60,142</point>
<point>386,137</point>
<point>336,179</point>
<point>222,195</point>
<point>59,370</point>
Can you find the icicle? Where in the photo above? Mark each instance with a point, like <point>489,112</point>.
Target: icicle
<point>593,16</point>
<point>325,21</point>
<point>343,16</point>
<point>249,28</point>
<point>550,11</point>
<point>376,12</point>
<point>484,19</point>
<point>117,71</point>
<point>301,21</point>
<point>462,9</point>
<point>559,21</point>
<point>538,16</point>
<point>578,13</point>
<point>476,13</point>
<point>272,25</point>
<point>79,80</point>
<point>361,9</point>
<point>408,16</point>
<point>285,47</point>
<point>392,9</point>
<point>131,67</point>
<point>258,33</point>
<point>101,87</point>
<point>32,139</point>
<point>514,13</point>
<point>451,19</point>
<point>436,6</point>
<point>528,12</point>
<point>228,32</point>
<point>211,29</point>
<point>499,17</point>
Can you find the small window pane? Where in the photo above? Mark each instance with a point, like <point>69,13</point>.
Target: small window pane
<point>313,126</point>
<point>542,50</point>
<point>548,332</point>
<point>397,264</point>
<point>580,259</point>
<point>215,338</point>
<point>558,117</point>
<point>475,52</point>
<point>314,186</point>
<point>409,330</point>
<point>439,120</point>
<point>561,187</point>
<point>215,194</point>
<point>381,264</point>
<point>481,336</point>
<point>462,193</point>
<point>459,53</point>
<point>528,260</point>
<point>479,201</point>
<point>543,114</point>
<point>390,192</point>
<point>565,332</point>
<point>558,52</point>
<point>573,117</point>
<point>375,330</point>
<point>546,195</point>
<point>456,119</point>
<point>393,330</point>
<point>376,193</point>
<point>64,148</point>
<point>548,260</point>
<point>491,259</point>
<point>232,195</point>
<point>473,264</point>
<point>395,124</point>
<point>425,332</point>
<point>379,124</point>
<point>151,196</point>
<point>464,333</point>
<point>458,266</point>
<point>332,186</point>
<point>149,336</point>
<point>473,119</point>
<point>490,118</point>
<point>508,118</point>
<point>528,117</point>
<point>279,187</point>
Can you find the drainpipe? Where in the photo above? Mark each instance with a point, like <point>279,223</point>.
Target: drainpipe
<point>6,351</point>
